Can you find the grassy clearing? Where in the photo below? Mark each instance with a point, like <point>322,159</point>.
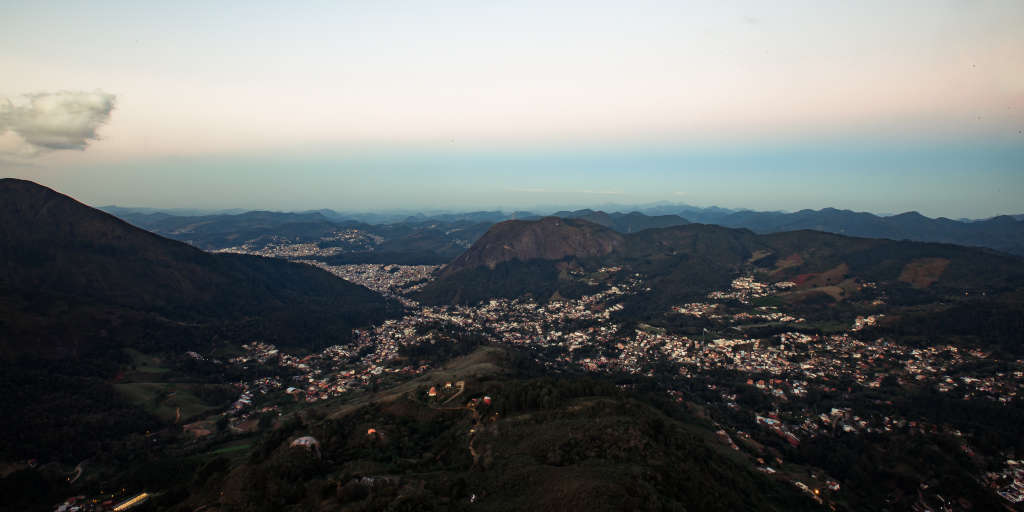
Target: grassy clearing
<point>829,327</point>
<point>235,447</point>
<point>146,362</point>
<point>921,273</point>
<point>770,300</point>
<point>484,361</point>
<point>235,451</point>
<point>144,367</point>
<point>163,399</point>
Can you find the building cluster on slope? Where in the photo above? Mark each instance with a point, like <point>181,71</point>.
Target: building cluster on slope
<point>744,289</point>
<point>395,281</point>
<point>338,242</point>
<point>284,250</point>
<point>583,333</point>
<point>1009,482</point>
<point>580,332</point>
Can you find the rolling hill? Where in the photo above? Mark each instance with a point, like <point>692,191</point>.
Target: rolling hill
<point>225,230</point>
<point>414,240</point>
<point>538,443</point>
<point>624,222</point>
<point>550,238</point>
<point>688,261</point>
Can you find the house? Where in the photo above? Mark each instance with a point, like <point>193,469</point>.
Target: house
<point>309,443</point>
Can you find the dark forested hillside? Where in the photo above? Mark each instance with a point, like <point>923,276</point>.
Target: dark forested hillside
<point>74,278</point>
<point>524,442</point>
<point>550,238</point>
<point>79,288</point>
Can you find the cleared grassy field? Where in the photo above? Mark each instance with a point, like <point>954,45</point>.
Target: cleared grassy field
<point>146,362</point>
<point>921,273</point>
<point>164,399</point>
<point>235,447</point>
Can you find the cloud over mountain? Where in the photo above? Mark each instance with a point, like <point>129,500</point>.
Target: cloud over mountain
<point>37,123</point>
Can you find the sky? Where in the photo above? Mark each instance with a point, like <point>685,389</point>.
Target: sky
<point>873,106</point>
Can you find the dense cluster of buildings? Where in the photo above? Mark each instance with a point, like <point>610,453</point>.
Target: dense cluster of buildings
<point>331,372</point>
<point>338,242</point>
<point>284,250</point>
<point>583,333</point>
<point>1009,482</point>
<point>744,289</point>
<point>391,280</point>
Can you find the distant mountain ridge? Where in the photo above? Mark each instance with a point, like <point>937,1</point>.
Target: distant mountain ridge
<point>414,241</point>
<point>1003,233</point>
<point>624,222</point>
<point>224,230</point>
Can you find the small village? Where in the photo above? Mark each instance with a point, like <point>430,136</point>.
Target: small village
<point>394,281</point>
<point>338,242</point>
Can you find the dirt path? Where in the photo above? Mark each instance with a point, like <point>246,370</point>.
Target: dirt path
<point>77,475</point>
<point>462,387</point>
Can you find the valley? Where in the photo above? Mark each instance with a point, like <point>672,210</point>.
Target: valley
<point>803,367</point>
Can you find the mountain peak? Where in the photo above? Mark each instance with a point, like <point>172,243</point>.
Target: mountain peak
<point>912,214</point>
<point>550,238</point>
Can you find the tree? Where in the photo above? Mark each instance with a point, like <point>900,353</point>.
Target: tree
<point>266,421</point>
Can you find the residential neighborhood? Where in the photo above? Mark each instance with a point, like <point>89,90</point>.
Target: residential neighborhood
<point>582,335</point>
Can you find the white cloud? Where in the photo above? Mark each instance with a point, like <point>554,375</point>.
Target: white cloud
<point>38,123</point>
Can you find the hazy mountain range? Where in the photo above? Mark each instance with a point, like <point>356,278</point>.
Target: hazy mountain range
<point>454,231</point>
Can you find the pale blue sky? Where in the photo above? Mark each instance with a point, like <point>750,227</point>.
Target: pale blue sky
<point>368,105</point>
